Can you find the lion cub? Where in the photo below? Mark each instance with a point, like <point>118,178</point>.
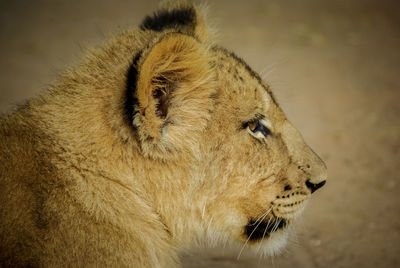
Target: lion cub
<point>156,141</point>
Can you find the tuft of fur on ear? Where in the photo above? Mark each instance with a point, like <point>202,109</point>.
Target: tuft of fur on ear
<point>180,16</point>
<point>174,90</point>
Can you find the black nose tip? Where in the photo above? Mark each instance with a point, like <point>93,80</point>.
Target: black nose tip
<point>313,187</point>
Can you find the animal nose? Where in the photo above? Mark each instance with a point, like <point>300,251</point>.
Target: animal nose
<point>313,187</point>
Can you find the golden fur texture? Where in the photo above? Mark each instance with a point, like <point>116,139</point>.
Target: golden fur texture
<point>157,141</point>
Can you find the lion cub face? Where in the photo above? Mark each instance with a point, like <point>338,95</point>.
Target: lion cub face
<point>264,170</point>
<point>199,108</point>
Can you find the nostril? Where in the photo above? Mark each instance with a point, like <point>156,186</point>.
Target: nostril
<point>314,186</point>
<point>287,188</point>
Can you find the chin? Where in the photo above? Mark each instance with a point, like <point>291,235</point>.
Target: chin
<point>268,237</point>
<point>273,245</point>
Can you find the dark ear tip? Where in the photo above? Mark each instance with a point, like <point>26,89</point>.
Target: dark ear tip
<point>165,19</point>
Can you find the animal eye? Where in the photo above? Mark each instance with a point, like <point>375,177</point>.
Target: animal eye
<point>257,127</point>
<point>253,125</point>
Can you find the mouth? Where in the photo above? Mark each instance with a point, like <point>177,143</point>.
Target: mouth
<point>258,230</point>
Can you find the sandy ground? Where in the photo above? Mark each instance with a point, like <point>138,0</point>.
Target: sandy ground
<point>335,68</point>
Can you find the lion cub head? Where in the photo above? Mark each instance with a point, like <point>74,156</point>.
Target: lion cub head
<point>239,167</point>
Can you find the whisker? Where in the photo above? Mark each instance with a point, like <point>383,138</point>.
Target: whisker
<point>204,210</point>
<point>276,225</point>
<point>265,232</point>
<point>268,70</point>
<point>273,225</point>
<point>263,215</point>
<point>241,250</point>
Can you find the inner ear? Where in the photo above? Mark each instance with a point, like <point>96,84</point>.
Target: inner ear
<point>162,94</point>
<point>173,91</point>
<point>174,77</point>
<point>176,61</point>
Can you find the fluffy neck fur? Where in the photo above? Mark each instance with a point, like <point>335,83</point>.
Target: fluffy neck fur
<point>102,130</point>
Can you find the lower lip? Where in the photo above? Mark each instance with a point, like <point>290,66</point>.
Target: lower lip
<point>257,231</point>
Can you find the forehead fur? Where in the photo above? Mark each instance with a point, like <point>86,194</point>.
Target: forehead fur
<point>242,89</point>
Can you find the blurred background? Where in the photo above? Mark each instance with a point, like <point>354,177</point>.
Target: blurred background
<point>335,69</point>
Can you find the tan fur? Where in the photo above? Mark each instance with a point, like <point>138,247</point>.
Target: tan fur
<point>84,183</point>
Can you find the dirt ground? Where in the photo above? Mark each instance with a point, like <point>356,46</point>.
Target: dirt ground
<point>334,67</point>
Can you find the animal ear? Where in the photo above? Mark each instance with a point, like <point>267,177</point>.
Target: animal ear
<point>179,16</point>
<point>174,89</point>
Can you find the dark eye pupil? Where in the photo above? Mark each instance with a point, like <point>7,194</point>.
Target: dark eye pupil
<point>253,125</point>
